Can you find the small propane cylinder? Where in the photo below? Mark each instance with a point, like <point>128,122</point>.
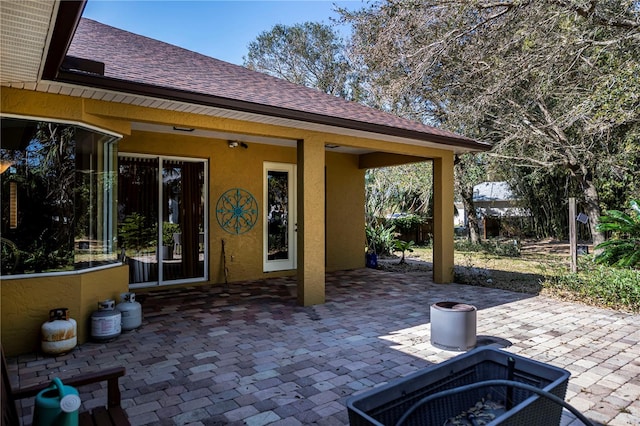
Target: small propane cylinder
<point>106,322</point>
<point>59,334</point>
<point>56,405</point>
<point>131,311</point>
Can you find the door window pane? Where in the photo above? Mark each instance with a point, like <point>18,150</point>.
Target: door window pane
<point>183,221</point>
<point>278,215</point>
<point>279,245</point>
<point>138,216</point>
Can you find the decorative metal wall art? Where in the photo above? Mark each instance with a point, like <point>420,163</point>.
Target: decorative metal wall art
<point>237,211</point>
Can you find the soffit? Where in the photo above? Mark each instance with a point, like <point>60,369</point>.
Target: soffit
<point>25,28</point>
<point>169,105</point>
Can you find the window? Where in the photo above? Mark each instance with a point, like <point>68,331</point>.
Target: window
<point>58,185</point>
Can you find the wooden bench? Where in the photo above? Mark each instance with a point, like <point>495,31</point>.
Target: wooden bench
<point>112,414</point>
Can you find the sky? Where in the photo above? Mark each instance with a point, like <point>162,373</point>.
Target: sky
<point>216,28</point>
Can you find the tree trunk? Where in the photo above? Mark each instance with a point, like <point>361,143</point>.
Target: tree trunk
<point>592,209</point>
<point>470,212</point>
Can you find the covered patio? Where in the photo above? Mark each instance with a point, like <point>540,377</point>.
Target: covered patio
<point>250,355</point>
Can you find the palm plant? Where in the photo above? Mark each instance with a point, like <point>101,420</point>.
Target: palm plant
<point>404,246</point>
<point>623,249</point>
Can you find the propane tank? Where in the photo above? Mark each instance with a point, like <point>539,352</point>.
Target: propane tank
<point>56,405</point>
<point>106,322</point>
<point>59,334</point>
<point>131,311</point>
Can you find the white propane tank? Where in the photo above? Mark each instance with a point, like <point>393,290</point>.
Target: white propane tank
<point>106,322</point>
<point>59,334</point>
<point>131,311</point>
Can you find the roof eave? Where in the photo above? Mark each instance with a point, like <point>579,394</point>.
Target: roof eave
<point>66,22</point>
<point>135,88</point>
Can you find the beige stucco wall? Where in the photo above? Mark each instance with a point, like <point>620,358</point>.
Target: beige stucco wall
<point>228,168</point>
<point>243,168</point>
<point>26,303</point>
<point>343,216</point>
<point>345,212</point>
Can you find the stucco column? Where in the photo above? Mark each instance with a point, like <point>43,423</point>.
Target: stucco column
<point>443,219</point>
<point>311,195</point>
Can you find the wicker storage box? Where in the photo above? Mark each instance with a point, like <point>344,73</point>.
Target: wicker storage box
<point>386,404</point>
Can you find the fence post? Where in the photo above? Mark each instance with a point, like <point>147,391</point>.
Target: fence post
<point>573,237</point>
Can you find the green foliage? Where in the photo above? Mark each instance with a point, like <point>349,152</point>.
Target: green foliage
<point>544,193</point>
<point>407,223</point>
<point>380,239</point>
<point>136,233</point>
<point>495,247</point>
<point>311,54</point>
<point>599,285</point>
<point>406,188</point>
<point>45,175</point>
<point>623,249</point>
<point>168,229</point>
<point>553,85</point>
<point>403,246</point>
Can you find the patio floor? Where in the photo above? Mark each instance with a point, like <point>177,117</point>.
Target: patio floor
<point>253,357</point>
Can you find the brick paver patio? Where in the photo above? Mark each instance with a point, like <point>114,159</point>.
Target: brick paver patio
<point>253,357</point>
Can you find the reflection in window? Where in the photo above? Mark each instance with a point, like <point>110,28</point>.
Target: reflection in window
<point>278,215</point>
<point>58,182</point>
<point>162,227</point>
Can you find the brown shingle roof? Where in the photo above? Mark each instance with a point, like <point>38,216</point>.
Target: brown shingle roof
<point>151,63</point>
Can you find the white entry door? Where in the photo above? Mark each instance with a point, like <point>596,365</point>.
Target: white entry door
<point>279,209</point>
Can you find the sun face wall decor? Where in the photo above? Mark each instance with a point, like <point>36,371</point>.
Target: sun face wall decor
<point>237,211</point>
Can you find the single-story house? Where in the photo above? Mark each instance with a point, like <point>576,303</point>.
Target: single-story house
<point>129,164</point>
<point>492,199</point>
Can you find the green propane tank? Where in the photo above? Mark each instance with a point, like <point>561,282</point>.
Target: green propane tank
<point>56,405</point>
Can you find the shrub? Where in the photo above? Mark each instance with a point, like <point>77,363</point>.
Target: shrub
<point>599,285</point>
<point>623,249</point>
<point>407,223</point>
<point>168,229</point>
<point>380,239</point>
<point>509,248</point>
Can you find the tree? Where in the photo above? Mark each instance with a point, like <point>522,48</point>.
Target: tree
<point>469,171</point>
<point>552,83</point>
<point>399,189</point>
<point>314,55</point>
<point>311,54</point>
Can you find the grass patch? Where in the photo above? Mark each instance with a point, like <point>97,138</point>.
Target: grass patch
<point>509,248</point>
<point>539,268</point>
<point>597,285</point>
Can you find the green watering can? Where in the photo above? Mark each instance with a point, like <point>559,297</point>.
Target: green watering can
<point>56,405</point>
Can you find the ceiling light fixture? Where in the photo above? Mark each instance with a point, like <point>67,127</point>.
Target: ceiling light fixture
<point>234,144</point>
<point>183,129</point>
